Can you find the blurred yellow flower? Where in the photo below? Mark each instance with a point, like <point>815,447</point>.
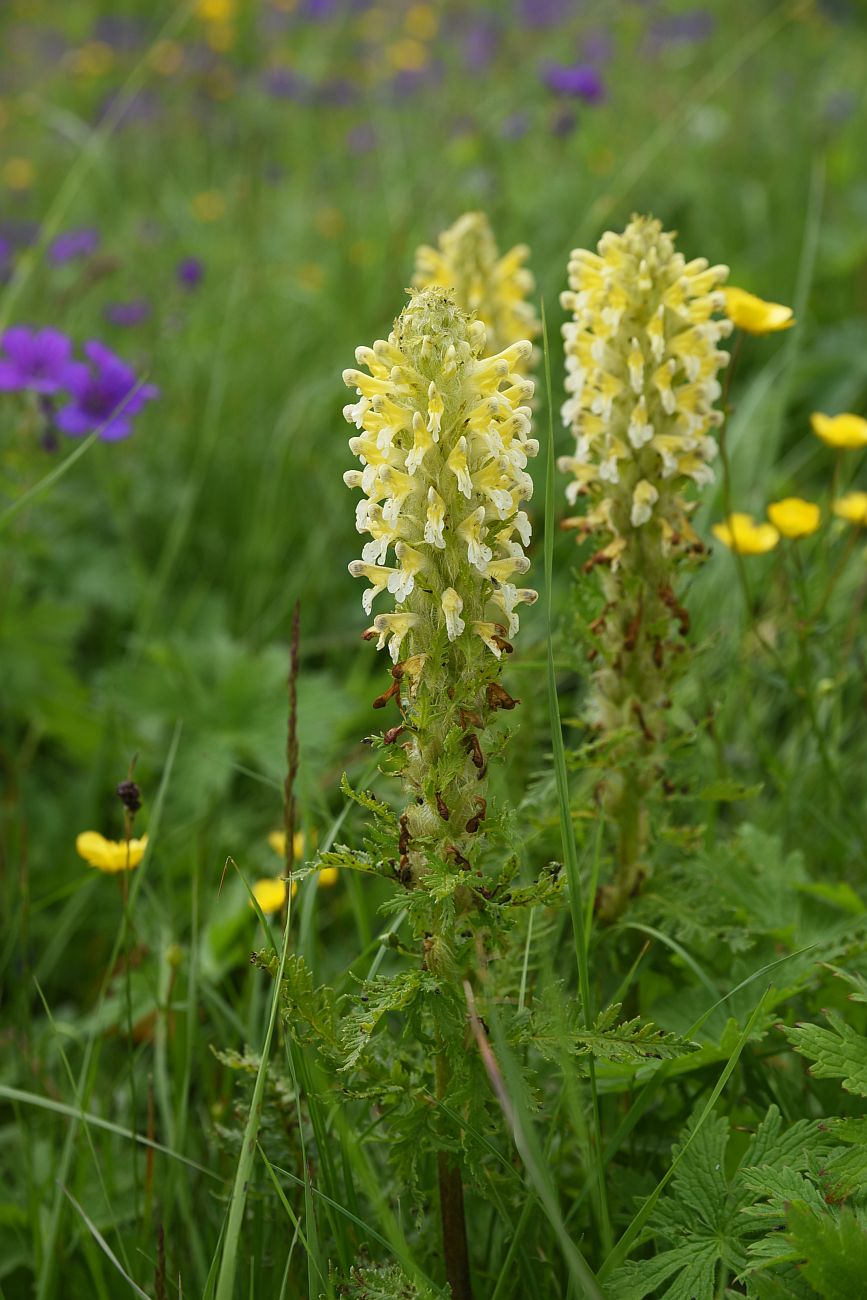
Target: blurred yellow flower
<point>94,59</point>
<point>845,431</point>
<point>18,173</point>
<point>220,37</point>
<point>277,840</point>
<point>407,55</point>
<point>166,58</point>
<point>110,855</point>
<point>422,22</point>
<point>310,276</point>
<point>794,517</point>
<point>328,876</point>
<point>329,221</point>
<point>210,205</point>
<point>852,507</point>
<point>215,11</point>
<point>741,533</point>
<point>753,314</point>
<point>270,894</point>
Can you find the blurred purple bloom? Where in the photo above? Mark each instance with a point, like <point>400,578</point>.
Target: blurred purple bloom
<point>580,80</point>
<point>543,13</point>
<point>190,272</point>
<point>127,313</point>
<point>120,33</point>
<point>37,360</point>
<point>283,83</point>
<point>480,43</point>
<point>319,10</point>
<point>105,398</point>
<point>337,92</point>
<point>515,125</point>
<point>680,29</point>
<point>73,244</point>
<point>361,138</point>
<point>598,45</point>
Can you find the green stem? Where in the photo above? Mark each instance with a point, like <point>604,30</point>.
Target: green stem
<point>452,1215</point>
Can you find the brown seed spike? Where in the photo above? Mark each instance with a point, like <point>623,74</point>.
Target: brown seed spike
<point>442,807</point>
<point>458,857</point>
<point>392,734</point>
<point>476,820</point>
<point>403,838</point>
<point>498,698</point>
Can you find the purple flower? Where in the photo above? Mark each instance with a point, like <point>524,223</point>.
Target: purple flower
<point>580,80</point>
<point>73,244</point>
<point>190,271</point>
<point>127,313</point>
<point>36,360</point>
<point>680,29</point>
<point>480,44</point>
<point>543,13</point>
<point>283,83</point>
<point>105,398</point>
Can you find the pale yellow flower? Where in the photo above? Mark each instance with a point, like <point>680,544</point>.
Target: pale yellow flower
<point>844,431</point>
<point>741,533</point>
<point>794,517</point>
<point>753,314</point>
<point>852,507</point>
<point>110,856</point>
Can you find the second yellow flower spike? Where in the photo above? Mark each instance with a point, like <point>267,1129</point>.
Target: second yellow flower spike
<point>110,856</point>
<point>741,533</point>
<point>754,315</point>
<point>853,508</point>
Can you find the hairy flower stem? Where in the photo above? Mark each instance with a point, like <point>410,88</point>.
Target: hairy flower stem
<point>452,1215</point>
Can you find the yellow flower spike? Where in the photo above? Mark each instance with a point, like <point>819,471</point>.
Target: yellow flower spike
<point>846,432</point>
<point>18,174</point>
<point>755,316</point>
<point>742,534</point>
<point>852,507</point>
<point>110,856</point>
<point>210,205</point>
<point>493,288</point>
<point>328,876</point>
<point>793,517</point>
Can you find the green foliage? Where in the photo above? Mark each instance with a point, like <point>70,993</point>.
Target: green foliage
<point>373,1282</point>
<point>837,1053</point>
<point>833,1250</point>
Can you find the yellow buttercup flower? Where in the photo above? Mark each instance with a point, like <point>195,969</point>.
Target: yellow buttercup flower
<point>270,894</point>
<point>844,431</point>
<point>794,517</point>
<point>277,840</point>
<point>215,11</point>
<point>753,314</point>
<point>853,508</point>
<point>741,533</point>
<point>110,855</point>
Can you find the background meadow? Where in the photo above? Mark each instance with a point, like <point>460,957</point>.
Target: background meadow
<point>229,196</point>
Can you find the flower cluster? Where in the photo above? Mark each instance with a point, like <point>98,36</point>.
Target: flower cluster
<point>484,284</point>
<point>444,440</point>
<point>102,394</point>
<point>444,443</point>
<point>642,362</point>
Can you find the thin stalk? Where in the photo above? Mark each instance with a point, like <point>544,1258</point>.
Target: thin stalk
<point>452,1214</point>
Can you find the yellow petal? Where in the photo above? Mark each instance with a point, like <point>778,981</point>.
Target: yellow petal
<point>742,534</point>
<point>110,855</point>
<point>794,517</point>
<point>328,876</point>
<point>846,430</point>
<point>277,840</point>
<point>270,894</point>
<point>754,315</point>
<point>852,507</point>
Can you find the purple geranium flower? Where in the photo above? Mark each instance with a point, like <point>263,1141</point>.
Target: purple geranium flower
<point>36,360</point>
<point>105,398</point>
<point>72,244</point>
<point>580,80</point>
<point>190,271</point>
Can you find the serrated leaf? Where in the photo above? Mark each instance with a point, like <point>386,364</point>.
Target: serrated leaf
<point>692,1264</point>
<point>834,1248</point>
<point>837,1053</point>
